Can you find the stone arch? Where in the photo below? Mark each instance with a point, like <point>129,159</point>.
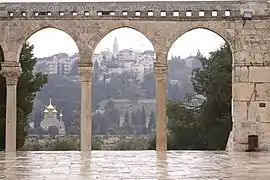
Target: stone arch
<point>219,31</point>
<point>99,36</point>
<point>41,27</point>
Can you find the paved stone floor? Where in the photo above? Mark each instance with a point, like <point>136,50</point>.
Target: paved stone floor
<point>111,165</point>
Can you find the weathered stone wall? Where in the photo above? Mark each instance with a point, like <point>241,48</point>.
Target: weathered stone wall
<point>251,83</point>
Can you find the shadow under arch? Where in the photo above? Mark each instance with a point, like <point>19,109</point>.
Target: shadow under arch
<point>2,78</point>
<point>1,56</point>
<point>38,29</point>
<point>228,39</point>
<point>98,38</point>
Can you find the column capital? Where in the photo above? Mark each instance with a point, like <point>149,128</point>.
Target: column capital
<point>85,71</point>
<point>161,56</point>
<point>12,71</point>
<point>161,70</point>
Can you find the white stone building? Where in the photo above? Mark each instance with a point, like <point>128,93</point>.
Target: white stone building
<point>57,63</point>
<point>50,119</point>
<point>115,70</point>
<point>97,57</point>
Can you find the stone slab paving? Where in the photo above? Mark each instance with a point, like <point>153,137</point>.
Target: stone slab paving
<point>128,165</point>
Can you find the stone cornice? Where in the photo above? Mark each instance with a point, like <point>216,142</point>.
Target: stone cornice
<point>161,71</point>
<point>85,71</point>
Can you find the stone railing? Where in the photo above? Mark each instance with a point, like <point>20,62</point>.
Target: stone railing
<point>122,9</point>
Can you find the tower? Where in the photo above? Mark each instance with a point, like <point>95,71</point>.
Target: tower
<point>62,128</point>
<point>115,46</point>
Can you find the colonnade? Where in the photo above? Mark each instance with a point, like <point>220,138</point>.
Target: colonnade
<point>12,70</point>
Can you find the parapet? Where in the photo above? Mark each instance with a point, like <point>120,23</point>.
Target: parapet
<point>170,10</point>
<point>120,9</point>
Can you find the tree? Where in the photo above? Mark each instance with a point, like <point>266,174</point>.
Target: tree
<point>62,70</point>
<point>204,123</point>
<point>134,119</point>
<point>28,85</point>
<point>40,131</point>
<point>214,81</point>
<point>109,105</point>
<point>53,131</point>
<point>149,84</point>
<point>143,117</point>
<point>95,72</point>
<point>152,121</point>
<point>126,118</point>
<point>74,68</point>
<point>184,126</point>
<point>103,125</point>
<point>58,68</point>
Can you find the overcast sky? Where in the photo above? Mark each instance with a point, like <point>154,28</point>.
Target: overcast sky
<point>49,41</point>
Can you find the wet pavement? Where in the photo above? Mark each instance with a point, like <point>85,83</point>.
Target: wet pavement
<point>146,165</point>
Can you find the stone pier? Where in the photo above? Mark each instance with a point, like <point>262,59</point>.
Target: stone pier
<point>11,70</point>
<point>161,117</point>
<point>85,71</point>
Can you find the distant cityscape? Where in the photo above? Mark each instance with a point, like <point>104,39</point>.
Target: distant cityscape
<point>125,60</point>
<point>123,78</point>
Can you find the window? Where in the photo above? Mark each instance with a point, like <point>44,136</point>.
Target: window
<point>214,13</point>
<point>175,13</point>
<point>163,13</point>
<point>150,13</point>
<point>201,13</point>
<point>188,13</point>
<point>227,13</point>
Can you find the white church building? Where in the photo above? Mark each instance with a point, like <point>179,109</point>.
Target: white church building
<point>50,119</point>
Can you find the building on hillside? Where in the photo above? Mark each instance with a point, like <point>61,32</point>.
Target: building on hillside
<point>97,58</point>
<point>50,119</point>
<point>193,62</point>
<point>57,64</point>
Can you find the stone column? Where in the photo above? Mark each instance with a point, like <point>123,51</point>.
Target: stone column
<point>85,71</point>
<point>161,117</point>
<point>11,70</point>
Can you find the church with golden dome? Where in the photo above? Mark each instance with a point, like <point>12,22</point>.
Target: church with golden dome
<point>50,119</point>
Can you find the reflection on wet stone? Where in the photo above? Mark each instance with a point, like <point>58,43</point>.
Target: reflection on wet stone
<point>121,165</point>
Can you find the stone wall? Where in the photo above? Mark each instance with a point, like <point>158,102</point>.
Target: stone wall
<point>251,83</point>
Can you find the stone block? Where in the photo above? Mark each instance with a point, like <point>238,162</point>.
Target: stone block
<point>241,57</point>
<point>253,111</point>
<point>263,92</point>
<point>241,135</point>
<point>253,38</point>
<point>265,132</point>
<point>259,74</point>
<point>241,74</point>
<point>258,57</point>
<point>243,91</point>
<point>240,111</point>
<point>258,113</point>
